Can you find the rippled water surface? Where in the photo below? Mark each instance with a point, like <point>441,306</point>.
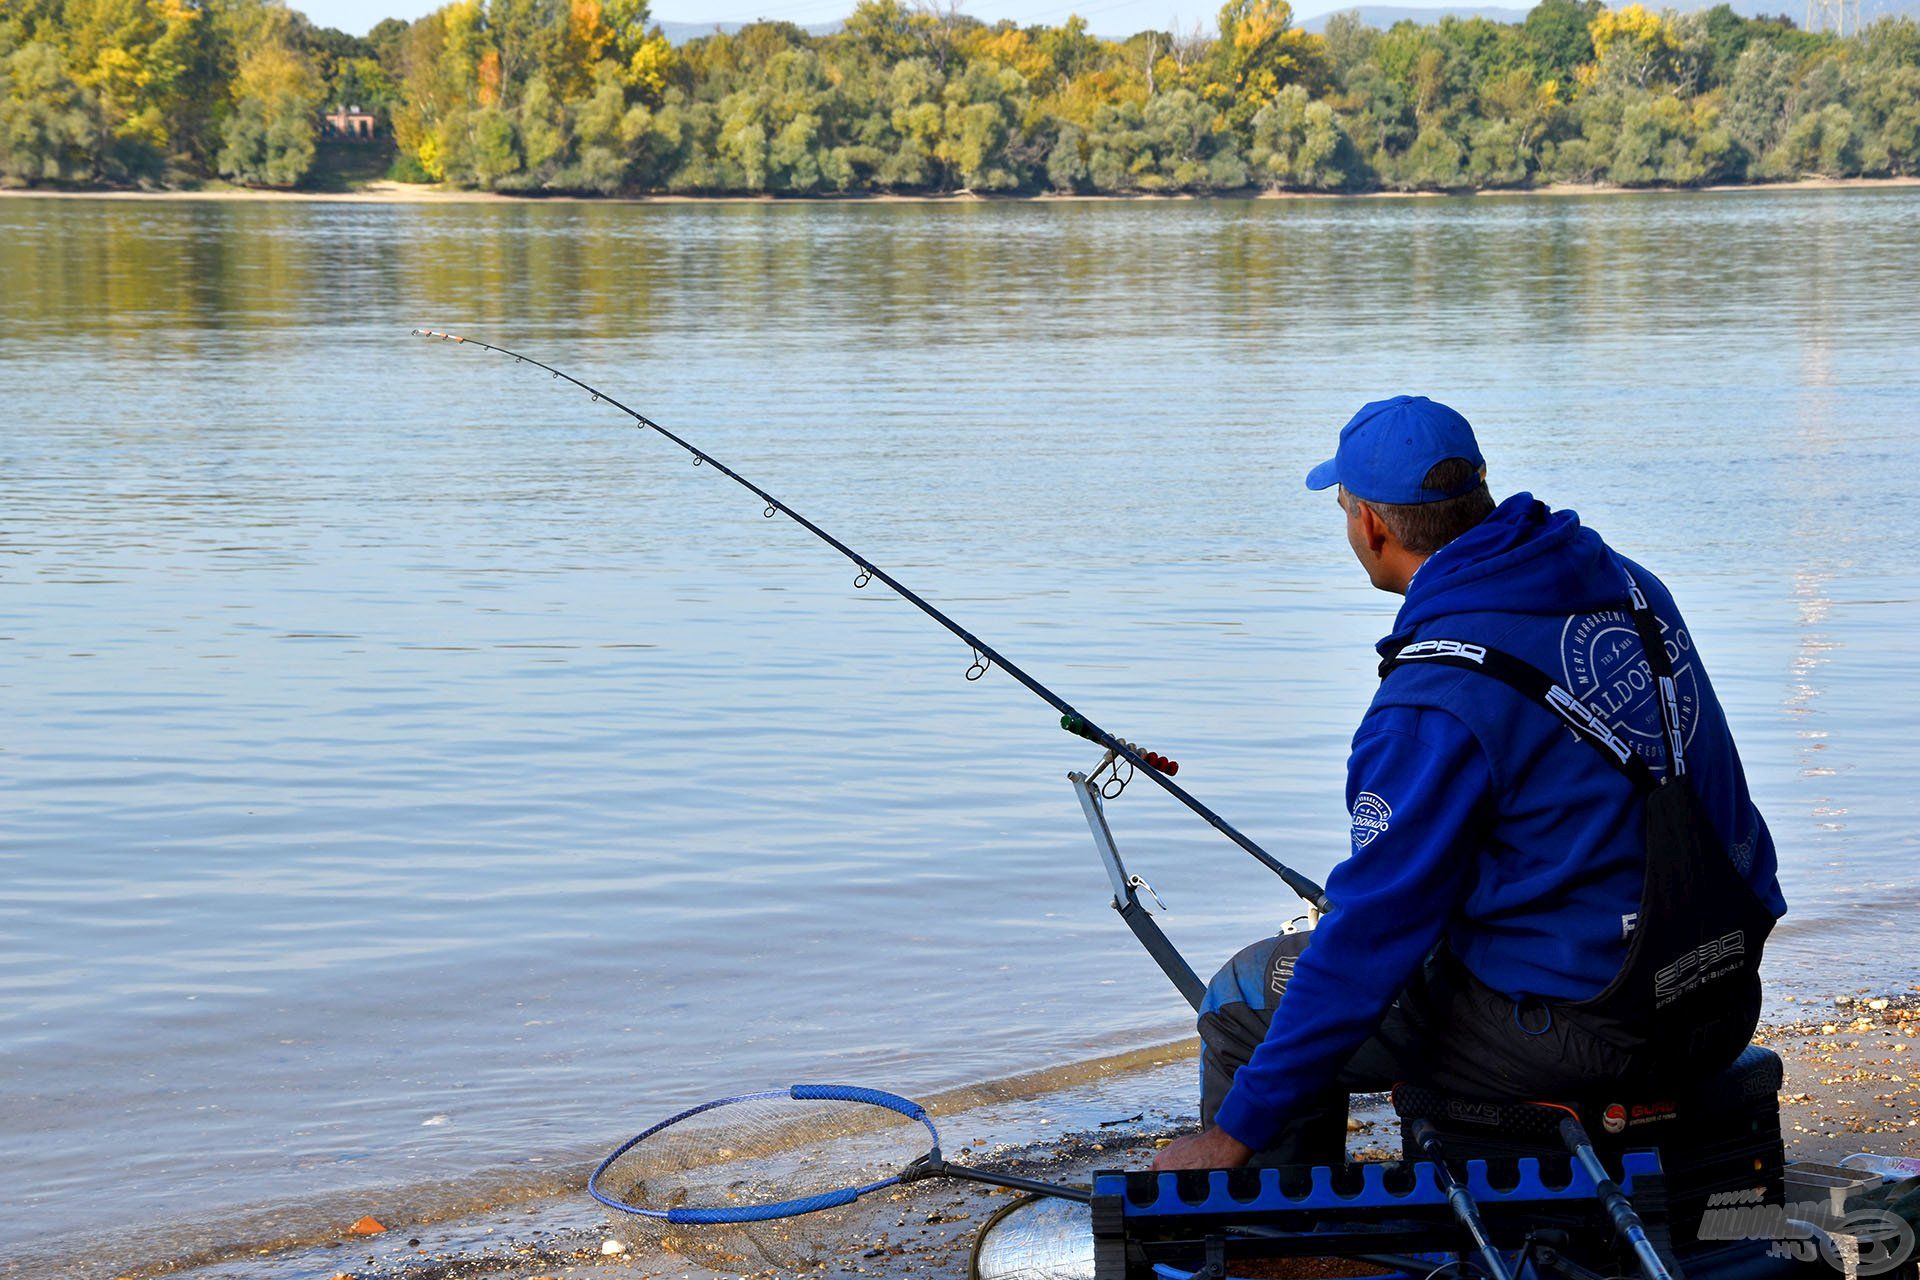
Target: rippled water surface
<point>411,776</point>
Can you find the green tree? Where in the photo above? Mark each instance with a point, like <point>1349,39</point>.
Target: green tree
<point>1433,162</point>
<point>545,130</point>
<point>1301,143</point>
<point>1759,100</point>
<point>48,123</point>
<point>1559,35</point>
<point>1822,142</point>
<point>984,106</point>
<point>268,140</point>
<point>1067,160</point>
<point>1662,141</point>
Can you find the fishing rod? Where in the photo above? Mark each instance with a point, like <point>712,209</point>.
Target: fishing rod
<point>1626,1223</point>
<point>1459,1199</point>
<point>985,657</point>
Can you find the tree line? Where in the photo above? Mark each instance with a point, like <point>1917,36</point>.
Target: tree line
<point>587,96</point>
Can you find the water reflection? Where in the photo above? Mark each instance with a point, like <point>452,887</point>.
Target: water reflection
<point>394,738</point>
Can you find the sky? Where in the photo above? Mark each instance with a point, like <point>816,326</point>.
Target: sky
<point>1106,17</point>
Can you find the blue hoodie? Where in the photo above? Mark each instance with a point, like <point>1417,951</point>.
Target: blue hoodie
<point>1478,819</point>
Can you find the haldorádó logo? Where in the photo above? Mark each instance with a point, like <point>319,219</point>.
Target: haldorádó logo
<point>1370,814</point>
<point>1605,668</point>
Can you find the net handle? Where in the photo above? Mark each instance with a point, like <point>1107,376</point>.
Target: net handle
<point>778,1208</point>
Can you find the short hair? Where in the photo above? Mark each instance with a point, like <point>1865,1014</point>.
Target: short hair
<point>1425,527</point>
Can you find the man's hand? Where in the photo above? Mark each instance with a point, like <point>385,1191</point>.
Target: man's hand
<point>1208,1149</point>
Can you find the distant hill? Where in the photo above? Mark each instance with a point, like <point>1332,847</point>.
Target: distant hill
<point>678,33</point>
<point>1385,15</point>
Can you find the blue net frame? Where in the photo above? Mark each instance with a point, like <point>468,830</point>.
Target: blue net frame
<point>776,1209</point>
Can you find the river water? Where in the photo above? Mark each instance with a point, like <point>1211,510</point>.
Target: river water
<point>412,777</point>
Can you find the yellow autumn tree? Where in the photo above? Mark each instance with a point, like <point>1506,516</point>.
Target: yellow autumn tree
<point>1014,47</point>
<point>645,56</point>
<point>1260,52</point>
<point>136,57</point>
<point>648,67</point>
<point>588,39</point>
<point>1634,45</point>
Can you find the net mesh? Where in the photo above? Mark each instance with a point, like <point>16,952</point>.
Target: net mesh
<point>1036,1238</point>
<point>756,1152</point>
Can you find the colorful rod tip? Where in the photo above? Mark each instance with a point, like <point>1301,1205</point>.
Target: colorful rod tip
<point>1154,760</point>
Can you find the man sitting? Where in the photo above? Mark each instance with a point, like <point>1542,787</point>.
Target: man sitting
<point>1558,879</point>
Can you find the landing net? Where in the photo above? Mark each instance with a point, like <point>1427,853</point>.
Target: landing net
<point>747,1182</point>
<point>1035,1238</point>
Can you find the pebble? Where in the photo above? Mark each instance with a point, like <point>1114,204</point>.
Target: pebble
<point>612,1247</point>
<point>1877,1005</point>
<point>367,1226</point>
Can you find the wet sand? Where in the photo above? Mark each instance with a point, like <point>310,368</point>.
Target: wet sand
<point>1850,1086</point>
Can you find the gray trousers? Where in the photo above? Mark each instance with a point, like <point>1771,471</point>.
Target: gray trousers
<point>1447,1029</point>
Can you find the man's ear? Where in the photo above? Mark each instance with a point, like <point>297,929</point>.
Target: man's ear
<point>1373,530</point>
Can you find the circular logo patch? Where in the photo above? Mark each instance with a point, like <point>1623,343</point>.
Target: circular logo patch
<point>1370,815</point>
<point>1604,667</point>
<point>1614,1119</point>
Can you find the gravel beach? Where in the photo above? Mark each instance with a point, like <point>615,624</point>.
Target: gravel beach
<point>1850,1086</point>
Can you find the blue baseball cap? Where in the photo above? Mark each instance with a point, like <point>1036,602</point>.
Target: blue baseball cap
<point>1388,447</point>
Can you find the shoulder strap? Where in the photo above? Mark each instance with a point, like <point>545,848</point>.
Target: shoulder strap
<point>1661,665</point>
<point>1533,684</point>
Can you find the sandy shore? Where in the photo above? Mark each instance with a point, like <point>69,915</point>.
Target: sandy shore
<point>384,192</point>
<point>1851,1086</point>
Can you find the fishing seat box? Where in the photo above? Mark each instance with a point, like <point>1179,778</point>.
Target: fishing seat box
<point>1717,1140</point>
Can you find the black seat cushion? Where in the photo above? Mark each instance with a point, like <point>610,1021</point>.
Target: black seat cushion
<point>1611,1115</point>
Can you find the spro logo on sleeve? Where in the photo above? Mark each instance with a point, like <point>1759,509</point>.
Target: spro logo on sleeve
<point>1370,818</point>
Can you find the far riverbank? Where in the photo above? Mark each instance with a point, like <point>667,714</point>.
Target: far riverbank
<point>386,192</point>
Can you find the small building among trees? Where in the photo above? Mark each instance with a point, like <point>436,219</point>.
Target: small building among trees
<point>349,124</point>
